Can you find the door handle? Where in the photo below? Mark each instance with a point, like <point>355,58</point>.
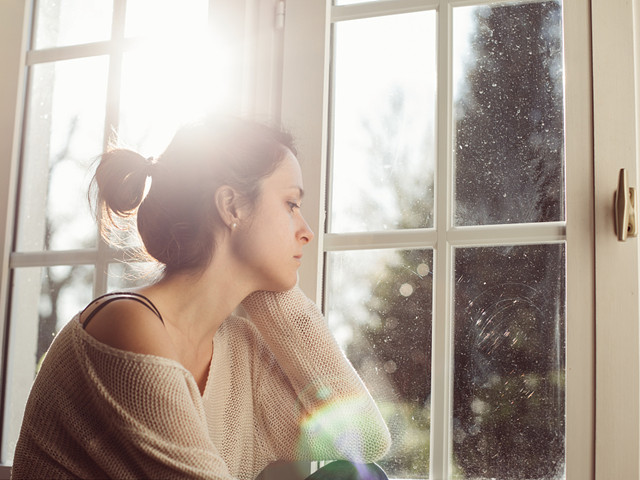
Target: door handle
<point>626,211</point>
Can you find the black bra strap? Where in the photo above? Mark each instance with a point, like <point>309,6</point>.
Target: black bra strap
<point>118,296</point>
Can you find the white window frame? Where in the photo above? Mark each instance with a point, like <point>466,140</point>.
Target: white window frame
<point>616,80</point>
<point>305,105</point>
<point>303,109</point>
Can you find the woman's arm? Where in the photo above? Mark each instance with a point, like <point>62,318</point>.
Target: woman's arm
<point>337,417</point>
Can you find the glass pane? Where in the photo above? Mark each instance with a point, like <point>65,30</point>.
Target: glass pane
<point>69,22</point>
<point>378,305</point>
<point>44,300</point>
<point>508,115</point>
<point>167,83</point>
<point>509,362</point>
<point>383,123</point>
<point>151,18</point>
<point>64,134</point>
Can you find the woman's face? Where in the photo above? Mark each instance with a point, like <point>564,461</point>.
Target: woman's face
<point>270,243</point>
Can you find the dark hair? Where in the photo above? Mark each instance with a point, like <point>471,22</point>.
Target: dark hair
<point>177,219</point>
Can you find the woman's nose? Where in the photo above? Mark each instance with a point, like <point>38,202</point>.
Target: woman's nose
<point>306,234</point>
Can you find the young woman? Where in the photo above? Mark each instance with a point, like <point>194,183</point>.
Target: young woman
<point>167,382</point>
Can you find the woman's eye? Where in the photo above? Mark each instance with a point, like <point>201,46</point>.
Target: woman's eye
<point>293,206</point>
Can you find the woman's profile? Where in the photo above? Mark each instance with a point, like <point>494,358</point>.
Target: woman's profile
<point>169,380</point>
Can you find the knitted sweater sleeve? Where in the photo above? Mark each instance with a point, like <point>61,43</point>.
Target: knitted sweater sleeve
<point>335,416</point>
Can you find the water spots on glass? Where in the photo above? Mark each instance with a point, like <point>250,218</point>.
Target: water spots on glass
<point>390,366</point>
<point>423,269</point>
<point>406,289</point>
<point>509,327</point>
<point>508,114</point>
<point>385,297</point>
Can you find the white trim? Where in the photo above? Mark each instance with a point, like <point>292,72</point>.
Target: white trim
<point>52,258</point>
<point>371,9</point>
<point>304,109</point>
<point>441,340</point>
<point>375,9</point>
<point>514,234</point>
<point>392,239</point>
<point>617,310</point>
<point>71,52</point>
<point>14,31</point>
<point>580,354</point>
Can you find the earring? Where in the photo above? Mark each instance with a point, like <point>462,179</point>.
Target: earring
<point>234,225</point>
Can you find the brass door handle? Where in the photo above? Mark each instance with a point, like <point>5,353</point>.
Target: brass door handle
<point>626,211</point>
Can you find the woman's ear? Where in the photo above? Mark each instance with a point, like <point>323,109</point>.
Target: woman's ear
<point>228,203</point>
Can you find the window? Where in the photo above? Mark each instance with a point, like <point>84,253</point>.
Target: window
<point>445,255</point>
<point>137,68</point>
<point>301,93</point>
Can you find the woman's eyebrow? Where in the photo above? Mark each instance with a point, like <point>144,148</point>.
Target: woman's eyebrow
<point>300,190</point>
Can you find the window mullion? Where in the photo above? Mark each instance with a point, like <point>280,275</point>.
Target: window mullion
<point>112,118</point>
<point>380,8</point>
<point>441,369</point>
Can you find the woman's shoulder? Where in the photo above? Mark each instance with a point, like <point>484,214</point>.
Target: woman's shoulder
<point>127,324</point>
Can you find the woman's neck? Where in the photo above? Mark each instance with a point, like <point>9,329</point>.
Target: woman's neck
<point>195,305</point>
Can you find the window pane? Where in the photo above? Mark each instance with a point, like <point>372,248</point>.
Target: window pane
<point>69,22</point>
<point>167,83</point>
<point>509,362</point>
<point>64,134</point>
<point>151,18</point>
<point>378,305</point>
<point>44,300</point>
<point>508,115</point>
<point>383,123</point>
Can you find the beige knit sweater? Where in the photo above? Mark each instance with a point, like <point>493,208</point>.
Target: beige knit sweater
<point>279,387</point>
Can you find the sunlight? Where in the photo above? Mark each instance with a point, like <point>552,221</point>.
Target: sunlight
<point>168,82</point>
<point>176,70</point>
<point>180,71</point>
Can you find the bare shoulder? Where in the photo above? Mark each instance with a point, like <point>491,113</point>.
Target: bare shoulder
<point>128,325</point>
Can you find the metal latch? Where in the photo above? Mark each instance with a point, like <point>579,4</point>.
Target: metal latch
<point>626,209</point>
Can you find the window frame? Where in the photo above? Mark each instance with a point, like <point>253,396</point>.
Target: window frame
<point>309,20</point>
<point>14,23</point>
<point>306,87</point>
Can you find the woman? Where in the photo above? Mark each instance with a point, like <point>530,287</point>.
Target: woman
<point>166,382</point>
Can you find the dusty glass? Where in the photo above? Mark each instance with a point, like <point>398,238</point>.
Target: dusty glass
<point>379,305</point>
<point>508,114</point>
<point>48,298</point>
<point>509,362</point>
<point>63,136</point>
<point>172,77</point>
<point>383,123</point>
<point>68,22</point>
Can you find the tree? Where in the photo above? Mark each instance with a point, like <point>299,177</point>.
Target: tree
<point>509,316</point>
<point>54,282</point>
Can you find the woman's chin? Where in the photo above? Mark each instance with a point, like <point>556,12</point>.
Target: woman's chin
<point>282,285</point>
